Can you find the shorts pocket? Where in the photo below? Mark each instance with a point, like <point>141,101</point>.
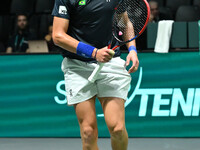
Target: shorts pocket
<point>63,65</point>
<point>120,62</point>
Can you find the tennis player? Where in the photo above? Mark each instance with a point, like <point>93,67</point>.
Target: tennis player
<point>83,29</point>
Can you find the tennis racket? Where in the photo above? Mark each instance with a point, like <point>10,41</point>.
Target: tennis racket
<point>130,20</point>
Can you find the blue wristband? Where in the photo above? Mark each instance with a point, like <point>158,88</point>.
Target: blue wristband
<point>132,48</point>
<point>84,50</point>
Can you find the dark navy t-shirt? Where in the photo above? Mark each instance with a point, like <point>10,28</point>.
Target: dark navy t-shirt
<point>90,22</point>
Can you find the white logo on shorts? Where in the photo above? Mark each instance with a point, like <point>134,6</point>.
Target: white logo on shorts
<point>62,10</point>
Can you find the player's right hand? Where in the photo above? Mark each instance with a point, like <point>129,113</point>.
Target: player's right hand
<point>104,55</point>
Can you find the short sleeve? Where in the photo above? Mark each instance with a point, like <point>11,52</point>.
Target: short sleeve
<point>62,9</point>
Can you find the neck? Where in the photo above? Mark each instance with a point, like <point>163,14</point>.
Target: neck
<point>21,31</point>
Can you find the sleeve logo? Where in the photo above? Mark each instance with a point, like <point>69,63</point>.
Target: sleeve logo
<point>62,10</point>
<point>82,2</point>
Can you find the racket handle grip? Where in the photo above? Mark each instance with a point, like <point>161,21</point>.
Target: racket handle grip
<point>95,73</point>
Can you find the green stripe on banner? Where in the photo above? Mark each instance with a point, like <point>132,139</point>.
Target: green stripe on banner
<point>163,101</point>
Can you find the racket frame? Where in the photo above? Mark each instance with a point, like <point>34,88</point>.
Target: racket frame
<point>143,29</point>
<point>96,71</point>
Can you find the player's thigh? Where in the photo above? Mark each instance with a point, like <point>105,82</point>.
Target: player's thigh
<point>114,112</point>
<point>86,113</point>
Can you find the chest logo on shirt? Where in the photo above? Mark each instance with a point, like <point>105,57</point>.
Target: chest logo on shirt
<point>62,10</point>
<point>108,1</point>
<point>82,2</point>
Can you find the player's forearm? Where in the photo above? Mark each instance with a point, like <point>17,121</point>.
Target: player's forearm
<point>128,31</point>
<point>132,43</point>
<point>126,37</point>
<point>68,43</point>
<point>65,41</point>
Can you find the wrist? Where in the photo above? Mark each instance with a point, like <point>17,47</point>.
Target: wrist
<point>85,50</point>
<point>94,53</point>
<point>132,48</point>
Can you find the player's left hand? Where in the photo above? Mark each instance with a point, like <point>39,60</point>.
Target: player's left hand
<point>132,56</point>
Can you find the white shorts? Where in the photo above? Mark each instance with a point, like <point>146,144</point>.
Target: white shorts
<point>112,81</point>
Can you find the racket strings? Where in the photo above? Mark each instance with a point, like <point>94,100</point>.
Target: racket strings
<point>139,16</point>
<point>129,19</point>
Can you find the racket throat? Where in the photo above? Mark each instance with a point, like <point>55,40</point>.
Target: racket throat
<point>114,48</point>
